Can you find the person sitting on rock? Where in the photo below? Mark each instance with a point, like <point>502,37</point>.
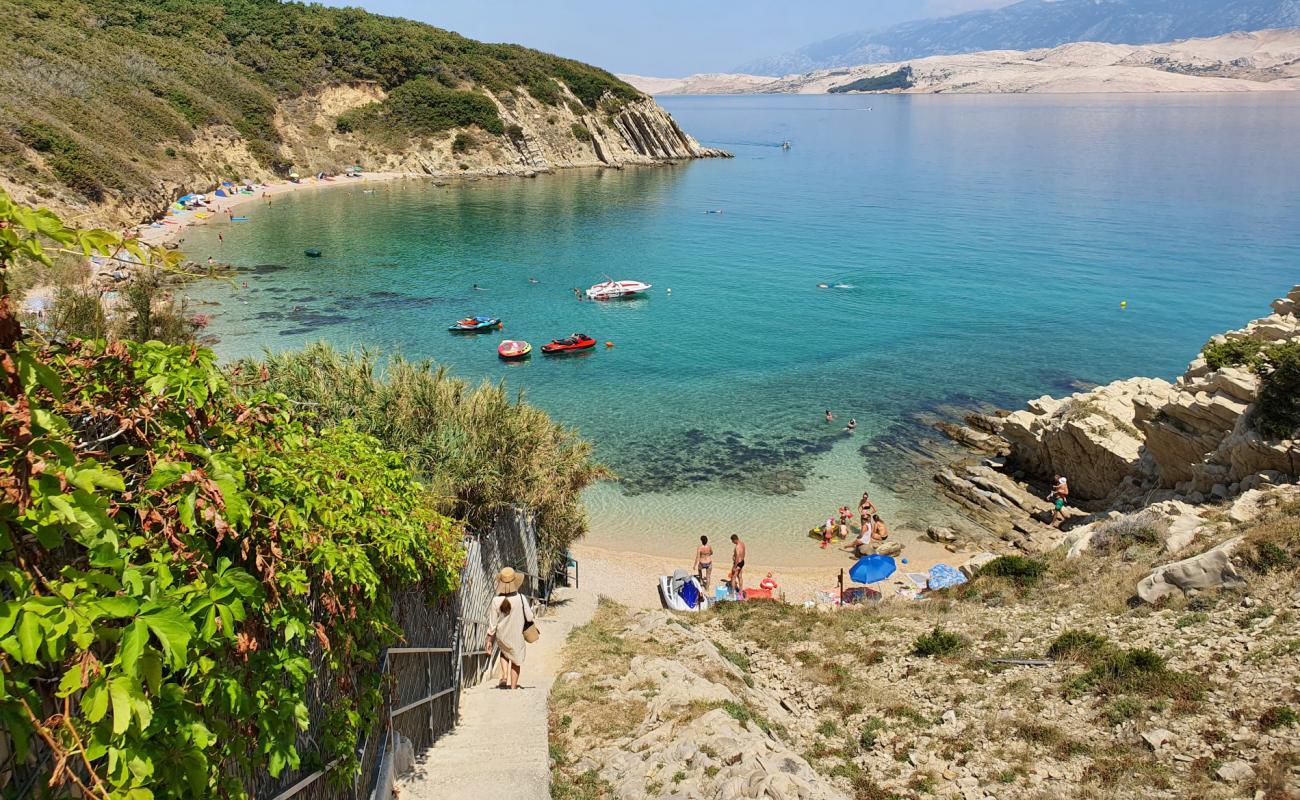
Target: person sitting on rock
<point>1060,491</point>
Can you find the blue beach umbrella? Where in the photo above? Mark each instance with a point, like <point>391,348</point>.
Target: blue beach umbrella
<point>872,568</point>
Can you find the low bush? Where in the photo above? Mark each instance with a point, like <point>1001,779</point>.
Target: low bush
<point>937,643</point>
<point>1277,411</point>
<point>1140,671</point>
<point>1075,645</point>
<point>463,143</point>
<point>1276,717</point>
<point>580,132</point>
<point>1023,571</point>
<point>1115,535</point>
<point>1231,353</point>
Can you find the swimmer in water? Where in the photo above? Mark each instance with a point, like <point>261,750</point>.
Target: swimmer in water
<point>532,280</point>
<point>852,426</point>
<point>829,416</point>
<point>478,288</point>
<point>823,286</point>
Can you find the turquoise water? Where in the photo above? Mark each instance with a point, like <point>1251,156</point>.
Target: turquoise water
<point>984,245</point>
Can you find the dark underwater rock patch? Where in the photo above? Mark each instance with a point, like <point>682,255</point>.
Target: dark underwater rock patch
<point>694,458</point>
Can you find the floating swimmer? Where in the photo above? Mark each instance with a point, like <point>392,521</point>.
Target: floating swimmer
<point>712,211</point>
<point>532,280</point>
<point>823,286</point>
<point>478,288</point>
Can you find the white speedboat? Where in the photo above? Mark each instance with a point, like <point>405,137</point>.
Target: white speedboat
<point>613,290</point>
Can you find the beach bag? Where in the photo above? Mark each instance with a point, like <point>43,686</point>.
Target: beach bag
<point>531,633</point>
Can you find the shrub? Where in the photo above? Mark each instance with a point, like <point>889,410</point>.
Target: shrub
<point>515,132</point>
<point>1231,353</point>
<point>1020,570</point>
<point>937,642</point>
<point>1278,717</point>
<point>871,729</point>
<point>1139,671</point>
<point>1265,556</point>
<point>1074,645</point>
<point>150,315</point>
<point>580,132</point>
<point>463,143</point>
<point>1145,528</point>
<point>1277,411</point>
<point>480,450</point>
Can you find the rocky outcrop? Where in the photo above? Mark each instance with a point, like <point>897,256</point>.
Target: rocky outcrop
<point>1208,570</point>
<point>538,138</point>
<point>1090,437</point>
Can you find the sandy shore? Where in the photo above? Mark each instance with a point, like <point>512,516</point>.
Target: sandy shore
<point>631,578</point>
<point>175,225</point>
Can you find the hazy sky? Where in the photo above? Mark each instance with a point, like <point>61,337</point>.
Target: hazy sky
<point>665,37</point>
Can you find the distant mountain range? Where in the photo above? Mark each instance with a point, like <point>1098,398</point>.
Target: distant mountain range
<point>1032,24</point>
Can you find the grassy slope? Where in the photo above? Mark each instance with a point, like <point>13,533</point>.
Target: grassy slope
<point>100,95</point>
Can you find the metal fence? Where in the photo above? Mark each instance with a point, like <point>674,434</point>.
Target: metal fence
<point>440,654</point>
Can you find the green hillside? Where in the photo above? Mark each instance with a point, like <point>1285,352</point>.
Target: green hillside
<point>99,95</point>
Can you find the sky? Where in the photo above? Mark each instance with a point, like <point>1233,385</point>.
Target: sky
<point>665,37</point>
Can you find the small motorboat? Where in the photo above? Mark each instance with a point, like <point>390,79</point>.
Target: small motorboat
<point>578,341</point>
<point>475,325</point>
<point>511,350</point>
<point>615,290</point>
<point>682,592</point>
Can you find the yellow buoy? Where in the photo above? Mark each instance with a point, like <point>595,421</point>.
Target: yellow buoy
<point>1123,304</point>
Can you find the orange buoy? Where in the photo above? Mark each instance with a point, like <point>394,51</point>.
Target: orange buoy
<point>609,344</point>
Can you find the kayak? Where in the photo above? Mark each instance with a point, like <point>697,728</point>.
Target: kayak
<point>239,219</point>
<point>475,325</point>
<point>511,350</point>
<point>578,341</point>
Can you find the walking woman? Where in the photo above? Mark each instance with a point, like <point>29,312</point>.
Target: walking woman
<point>507,618</point>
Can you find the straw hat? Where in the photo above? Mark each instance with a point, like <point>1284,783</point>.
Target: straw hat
<point>509,581</point>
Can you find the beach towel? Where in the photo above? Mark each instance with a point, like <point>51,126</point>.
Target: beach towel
<point>943,576</point>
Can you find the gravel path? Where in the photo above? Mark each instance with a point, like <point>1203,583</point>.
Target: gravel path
<point>500,747</point>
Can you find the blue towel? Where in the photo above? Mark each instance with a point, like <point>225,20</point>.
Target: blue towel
<point>943,576</point>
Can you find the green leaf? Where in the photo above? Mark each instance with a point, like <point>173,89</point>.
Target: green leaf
<point>93,477</point>
<point>151,667</point>
<point>95,701</point>
<point>165,473</point>
<point>173,631</point>
<point>119,692</point>
<point>117,607</point>
<point>8,615</point>
<point>32,372</point>
<point>29,637</point>
<point>71,682</point>
<point>134,637</point>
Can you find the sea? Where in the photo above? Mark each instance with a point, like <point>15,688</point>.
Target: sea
<point>906,257</point>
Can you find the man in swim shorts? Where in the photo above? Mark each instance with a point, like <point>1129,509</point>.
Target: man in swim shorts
<point>738,565</point>
<point>704,562</point>
<point>1060,491</point>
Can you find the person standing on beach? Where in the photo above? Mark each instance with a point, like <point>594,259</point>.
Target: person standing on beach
<point>738,565</point>
<point>866,509</point>
<point>704,562</point>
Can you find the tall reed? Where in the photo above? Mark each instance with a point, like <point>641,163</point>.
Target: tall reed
<point>479,449</point>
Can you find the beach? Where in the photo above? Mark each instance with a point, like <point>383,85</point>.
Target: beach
<point>176,224</point>
<point>631,578</point>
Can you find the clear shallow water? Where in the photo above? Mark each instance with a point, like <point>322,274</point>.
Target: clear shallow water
<point>985,242</point>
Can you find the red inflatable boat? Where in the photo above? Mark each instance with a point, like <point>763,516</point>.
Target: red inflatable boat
<point>578,341</point>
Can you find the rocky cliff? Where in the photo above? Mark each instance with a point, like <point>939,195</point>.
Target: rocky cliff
<point>1178,450</point>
